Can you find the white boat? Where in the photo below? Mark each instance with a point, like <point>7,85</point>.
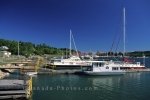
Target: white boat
<point>104,68</point>
<point>72,61</point>
<point>31,73</point>
<point>127,64</point>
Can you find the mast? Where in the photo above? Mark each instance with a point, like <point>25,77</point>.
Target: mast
<point>124,32</point>
<point>70,42</point>
<point>72,39</point>
<point>143,59</point>
<point>75,46</point>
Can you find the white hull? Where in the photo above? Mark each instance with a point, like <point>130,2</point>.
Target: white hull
<point>73,61</point>
<point>104,73</point>
<point>104,68</point>
<point>31,73</point>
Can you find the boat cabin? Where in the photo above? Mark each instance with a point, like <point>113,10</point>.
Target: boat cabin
<point>104,66</point>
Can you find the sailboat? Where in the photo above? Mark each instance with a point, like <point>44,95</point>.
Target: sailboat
<point>73,62</point>
<point>113,67</point>
<point>128,64</point>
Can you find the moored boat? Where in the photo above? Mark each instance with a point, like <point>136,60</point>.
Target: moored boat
<point>31,73</point>
<point>69,63</point>
<point>104,68</point>
<point>72,62</point>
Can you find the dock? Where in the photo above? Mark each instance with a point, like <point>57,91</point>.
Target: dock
<point>18,88</point>
<point>15,89</point>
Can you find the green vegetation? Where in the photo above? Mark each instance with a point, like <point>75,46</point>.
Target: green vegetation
<point>131,54</point>
<point>28,48</point>
<point>139,53</point>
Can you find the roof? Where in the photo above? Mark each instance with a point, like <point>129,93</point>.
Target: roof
<point>4,48</point>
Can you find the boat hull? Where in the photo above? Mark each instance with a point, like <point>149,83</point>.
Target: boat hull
<point>104,73</point>
<point>57,67</point>
<point>31,73</point>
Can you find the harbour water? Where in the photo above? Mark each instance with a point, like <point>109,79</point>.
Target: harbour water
<point>131,86</point>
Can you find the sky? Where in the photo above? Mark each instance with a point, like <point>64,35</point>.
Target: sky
<point>95,24</point>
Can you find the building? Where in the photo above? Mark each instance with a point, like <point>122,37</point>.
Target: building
<point>4,51</point>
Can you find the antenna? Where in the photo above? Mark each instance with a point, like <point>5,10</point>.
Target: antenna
<point>124,31</point>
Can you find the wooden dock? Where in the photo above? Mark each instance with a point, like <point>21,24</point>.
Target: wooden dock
<point>23,66</point>
<point>19,89</point>
<point>15,89</point>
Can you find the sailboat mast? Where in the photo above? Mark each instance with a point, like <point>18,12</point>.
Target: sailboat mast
<point>75,46</point>
<point>70,43</point>
<point>124,31</point>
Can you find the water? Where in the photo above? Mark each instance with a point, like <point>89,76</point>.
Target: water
<point>131,86</point>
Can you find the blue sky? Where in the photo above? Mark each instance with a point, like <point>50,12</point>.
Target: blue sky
<point>94,23</point>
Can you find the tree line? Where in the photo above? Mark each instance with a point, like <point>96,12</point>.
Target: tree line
<point>131,54</point>
<point>28,48</point>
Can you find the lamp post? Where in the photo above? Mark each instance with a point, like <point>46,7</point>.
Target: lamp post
<point>18,49</point>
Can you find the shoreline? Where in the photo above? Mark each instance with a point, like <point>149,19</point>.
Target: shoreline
<point>3,74</point>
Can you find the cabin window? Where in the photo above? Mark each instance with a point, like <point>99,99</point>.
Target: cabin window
<point>57,60</point>
<point>52,61</point>
<point>95,64</point>
<point>100,64</point>
<point>76,59</point>
<point>107,67</point>
<point>115,68</point>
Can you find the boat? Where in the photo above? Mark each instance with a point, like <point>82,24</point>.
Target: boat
<point>31,73</point>
<point>104,68</point>
<point>127,63</point>
<point>72,62</point>
<point>131,65</point>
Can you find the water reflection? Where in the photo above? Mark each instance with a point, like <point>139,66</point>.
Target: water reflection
<point>131,85</point>
<point>106,83</point>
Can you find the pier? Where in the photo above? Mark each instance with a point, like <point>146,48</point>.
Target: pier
<point>15,89</point>
<point>18,88</point>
